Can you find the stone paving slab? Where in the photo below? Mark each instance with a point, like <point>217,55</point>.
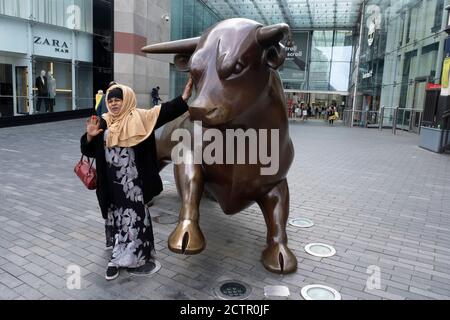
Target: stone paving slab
<point>379,199</point>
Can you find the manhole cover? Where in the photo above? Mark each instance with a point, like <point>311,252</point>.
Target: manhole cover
<point>232,290</point>
<point>276,292</point>
<point>165,219</point>
<point>154,270</point>
<point>320,292</point>
<point>320,250</point>
<point>301,222</point>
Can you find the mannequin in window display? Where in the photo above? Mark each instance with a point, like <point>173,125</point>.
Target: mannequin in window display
<point>42,92</point>
<point>51,86</point>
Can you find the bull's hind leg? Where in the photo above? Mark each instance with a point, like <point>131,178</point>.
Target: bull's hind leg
<point>187,238</point>
<point>277,257</point>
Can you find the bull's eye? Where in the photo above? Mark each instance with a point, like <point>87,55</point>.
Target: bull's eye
<point>238,68</point>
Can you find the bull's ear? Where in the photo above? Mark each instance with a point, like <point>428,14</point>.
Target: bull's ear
<point>182,62</point>
<point>269,37</point>
<point>275,56</point>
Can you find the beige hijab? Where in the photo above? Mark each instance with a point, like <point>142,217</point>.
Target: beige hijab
<point>132,125</point>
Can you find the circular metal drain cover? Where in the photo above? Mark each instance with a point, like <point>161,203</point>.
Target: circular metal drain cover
<point>232,290</point>
<point>301,222</point>
<point>320,292</point>
<point>320,250</point>
<point>165,219</point>
<point>155,270</point>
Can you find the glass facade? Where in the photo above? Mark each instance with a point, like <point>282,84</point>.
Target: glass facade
<point>401,51</point>
<point>64,56</point>
<point>190,18</point>
<point>330,60</point>
<point>319,60</point>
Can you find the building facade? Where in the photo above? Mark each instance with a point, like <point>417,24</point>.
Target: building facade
<point>317,67</point>
<point>137,24</point>
<point>400,52</point>
<point>387,59</point>
<point>52,56</point>
<point>190,18</point>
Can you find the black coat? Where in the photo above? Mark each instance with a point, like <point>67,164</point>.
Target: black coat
<point>41,86</point>
<point>145,153</point>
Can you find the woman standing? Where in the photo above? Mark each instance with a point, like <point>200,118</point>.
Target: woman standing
<point>123,144</point>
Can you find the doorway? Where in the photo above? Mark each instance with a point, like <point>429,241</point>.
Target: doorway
<point>317,102</point>
<point>22,90</point>
<point>6,91</point>
<point>418,104</point>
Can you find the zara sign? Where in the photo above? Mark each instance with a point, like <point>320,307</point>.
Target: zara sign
<point>56,43</point>
<point>59,46</point>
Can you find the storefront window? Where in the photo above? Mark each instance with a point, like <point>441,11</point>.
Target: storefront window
<point>438,9</point>
<point>84,80</point>
<point>52,86</point>
<point>57,69</point>
<point>414,39</point>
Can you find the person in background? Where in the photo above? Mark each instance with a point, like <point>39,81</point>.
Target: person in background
<point>98,98</point>
<point>100,103</point>
<point>304,111</point>
<point>155,96</point>
<point>330,116</point>
<point>289,105</point>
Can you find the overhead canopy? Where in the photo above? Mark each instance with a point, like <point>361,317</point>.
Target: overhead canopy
<point>298,14</point>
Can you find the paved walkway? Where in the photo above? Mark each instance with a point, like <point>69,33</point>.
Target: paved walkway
<point>379,199</point>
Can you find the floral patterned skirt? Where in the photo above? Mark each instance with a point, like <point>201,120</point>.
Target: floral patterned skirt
<point>127,215</point>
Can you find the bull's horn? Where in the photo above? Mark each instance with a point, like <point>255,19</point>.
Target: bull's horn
<point>272,34</point>
<point>178,46</point>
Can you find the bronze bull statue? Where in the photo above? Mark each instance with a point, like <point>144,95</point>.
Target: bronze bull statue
<point>233,65</point>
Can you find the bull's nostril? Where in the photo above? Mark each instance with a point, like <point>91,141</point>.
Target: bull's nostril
<point>212,111</point>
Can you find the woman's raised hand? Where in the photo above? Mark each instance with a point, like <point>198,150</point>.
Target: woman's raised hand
<point>93,128</point>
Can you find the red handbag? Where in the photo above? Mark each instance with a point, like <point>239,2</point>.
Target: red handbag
<point>86,172</point>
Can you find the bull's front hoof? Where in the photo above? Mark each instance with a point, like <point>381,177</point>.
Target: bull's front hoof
<point>187,238</point>
<point>278,258</point>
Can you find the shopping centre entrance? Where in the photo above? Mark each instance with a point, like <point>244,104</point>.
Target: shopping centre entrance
<point>315,101</point>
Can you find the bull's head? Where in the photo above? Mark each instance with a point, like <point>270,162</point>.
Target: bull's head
<point>230,65</point>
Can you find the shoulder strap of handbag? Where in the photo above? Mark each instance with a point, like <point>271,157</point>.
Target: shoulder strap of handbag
<point>91,162</point>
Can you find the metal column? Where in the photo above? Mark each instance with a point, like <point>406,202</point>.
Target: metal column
<point>357,62</point>
<point>74,70</point>
<point>380,125</point>
<point>30,58</point>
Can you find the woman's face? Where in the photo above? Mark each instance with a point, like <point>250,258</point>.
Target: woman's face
<point>115,105</point>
